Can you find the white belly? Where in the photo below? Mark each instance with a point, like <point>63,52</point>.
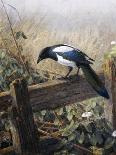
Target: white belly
<point>66,62</point>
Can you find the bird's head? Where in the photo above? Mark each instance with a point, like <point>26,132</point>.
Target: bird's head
<point>43,54</point>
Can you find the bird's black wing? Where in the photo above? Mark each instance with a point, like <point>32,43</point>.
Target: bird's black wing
<point>71,54</point>
<point>78,50</point>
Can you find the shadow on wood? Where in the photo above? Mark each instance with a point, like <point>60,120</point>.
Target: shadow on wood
<point>55,93</point>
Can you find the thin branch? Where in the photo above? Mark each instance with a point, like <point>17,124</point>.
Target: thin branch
<point>11,54</point>
<point>82,148</point>
<point>10,24</point>
<point>74,145</point>
<point>15,10</point>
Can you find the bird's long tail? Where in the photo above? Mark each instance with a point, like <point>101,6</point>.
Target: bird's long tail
<point>94,81</point>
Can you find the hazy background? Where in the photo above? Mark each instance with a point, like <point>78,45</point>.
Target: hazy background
<point>87,24</point>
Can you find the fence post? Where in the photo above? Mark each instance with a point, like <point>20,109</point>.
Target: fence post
<point>110,81</point>
<point>25,138</point>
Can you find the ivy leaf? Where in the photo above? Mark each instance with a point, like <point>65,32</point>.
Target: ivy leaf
<point>24,36</point>
<point>68,108</point>
<point>71,137</point>
<point>69,116</point>
<point>81,138</point>
<point>3,54</point>
<point>98,110</point>
<point>56,122</point>
<point>89,128</point>
<point>93,140</point>
<point>43,112</point>
<point>70,128</point>
<point>90,106</point>
<point>59,111</point>
<point>18,34</point>
<point>49,116</point>
<point>109,142</point>
<point>97,151</point>
<point>99,138</point>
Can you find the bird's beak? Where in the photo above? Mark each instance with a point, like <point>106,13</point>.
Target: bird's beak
<point>39,59</point>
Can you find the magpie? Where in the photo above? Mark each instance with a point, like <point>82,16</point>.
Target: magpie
<point>74,58</point>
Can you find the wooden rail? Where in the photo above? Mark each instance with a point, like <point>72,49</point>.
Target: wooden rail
<point>54,94</point>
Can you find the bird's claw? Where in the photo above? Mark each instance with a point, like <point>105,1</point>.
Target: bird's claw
<point>78,78</point>
<point>64,78</point>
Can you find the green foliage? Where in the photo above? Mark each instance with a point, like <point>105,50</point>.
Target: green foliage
<point>11,69</point>
<point>20,34</point>
<point>93,133</point>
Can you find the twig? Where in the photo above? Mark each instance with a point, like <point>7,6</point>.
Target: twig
<point>61,122</point>
<point>49,128</point>
<point>82,148</point>
<point>15,10</point>
<point>11,54</point>
<point>3,40</point>
<point>10,24</point>
<point>44,132</point>
<point>44,123</point>
<point>74,145</point>
<point>10,76</point>
<point>53,135</point>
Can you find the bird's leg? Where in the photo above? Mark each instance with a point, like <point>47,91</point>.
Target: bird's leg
<point>70,69</point>
<point>78,71</point>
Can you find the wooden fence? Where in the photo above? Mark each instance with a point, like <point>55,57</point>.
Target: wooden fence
<point>53,94</point>
<point>22,101</point>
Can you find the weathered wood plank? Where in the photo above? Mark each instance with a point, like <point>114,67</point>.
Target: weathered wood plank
<point>55,93</point>
<point>59,93</point>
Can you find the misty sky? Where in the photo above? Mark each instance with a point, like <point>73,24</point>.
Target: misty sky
<point>64,8</point>
<point>67,13</point>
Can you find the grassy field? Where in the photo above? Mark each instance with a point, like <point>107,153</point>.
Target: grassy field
<point>92,31</point>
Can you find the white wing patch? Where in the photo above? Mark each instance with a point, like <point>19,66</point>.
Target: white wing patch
<point>66,62</point>
<point>62,49</point>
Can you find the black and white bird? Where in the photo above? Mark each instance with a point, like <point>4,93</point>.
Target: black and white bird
<point>74,58</point>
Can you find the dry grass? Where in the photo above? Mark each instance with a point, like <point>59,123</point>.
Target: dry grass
<point>94,39</point>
